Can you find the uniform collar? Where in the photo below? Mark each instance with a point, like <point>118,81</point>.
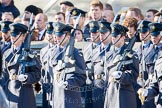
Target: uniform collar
<point>146,45</point>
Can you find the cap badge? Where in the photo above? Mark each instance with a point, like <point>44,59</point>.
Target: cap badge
<point>92,25</point>
<point>161,33</point>
<point>152,28</point>
<point>102,25</point>
<point>48,26</point>
<point>2,25</point>
<point>56,28</point>
<point>12,28</point>
<point>74,12</point>
<point>112,28</point>
<point>142,25</point>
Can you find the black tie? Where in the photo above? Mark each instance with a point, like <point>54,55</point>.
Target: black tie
<point>156,49</point>
<point>156,53</point>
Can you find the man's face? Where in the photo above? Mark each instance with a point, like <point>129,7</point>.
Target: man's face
<point>63,8</point>
<point>6,36</point>
<point>40,22</point>
<point>96,12</point>
<point>27,14</point>
<point>106,37</point>
<point>156,39</point>
<point>149,16</point>
<point>132,14</point>
<point>62,40</point>
<point>59,18</point>
<point>143,36</point>
<point>108,15</point>
<point>117,40</point>
<point>81,21</point>
<point>95,37</point>
<point>17,41</point>
<point>49,37</point>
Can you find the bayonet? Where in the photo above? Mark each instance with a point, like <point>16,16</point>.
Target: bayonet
<point>159,19</point>
<point>77,21</point>
<point>31,21</point>
<point>23,17</point>
<point>115,18</point>
<point>68,18</point>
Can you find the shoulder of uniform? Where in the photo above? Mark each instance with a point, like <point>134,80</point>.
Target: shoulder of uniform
<point>87,46</point>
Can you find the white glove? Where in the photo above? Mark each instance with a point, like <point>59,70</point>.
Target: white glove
<point>22,77</point>
<point>117,74</point>
<point>63,84</point>
<point>144,92</point>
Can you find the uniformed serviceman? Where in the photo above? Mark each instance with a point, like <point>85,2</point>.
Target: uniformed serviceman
<point>99,68</point>
<point>105,36</point>
<point>6,40</point>
<point>69,74</point>
<point>155,85</point>
<point>19,75</point>
<point>146,55</point>
<point>91,52</point>
<point>74,14</point>
<point>46,71</point>
<point>120,78</point>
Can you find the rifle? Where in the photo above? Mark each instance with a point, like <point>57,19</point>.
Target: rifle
<point>69,50</point>
<point>123,60</point>
<point>159,19</point>
<point>69,57</point>
<point>68,18</point>
<point>24,61</point>
<point>127,52</point>
<point>116,18</point>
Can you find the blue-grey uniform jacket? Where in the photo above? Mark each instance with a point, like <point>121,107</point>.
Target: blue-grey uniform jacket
<point>67,80</point>
<point>155,87</point>
<point>5,46</point>
<point>99,91</point>
<point>46,76</point>
<point>120,93</point>
<point>19,94</point>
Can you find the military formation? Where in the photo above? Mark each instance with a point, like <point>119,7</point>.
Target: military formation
<point>110,71</point>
